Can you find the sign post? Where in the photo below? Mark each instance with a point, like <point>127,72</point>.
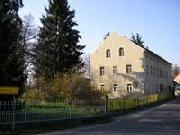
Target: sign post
<point>10,90</point>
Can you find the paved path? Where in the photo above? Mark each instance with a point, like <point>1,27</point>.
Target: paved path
<point>162,120</point>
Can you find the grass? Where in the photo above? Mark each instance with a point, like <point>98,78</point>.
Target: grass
<point>130,103</point>
<point>120,105</point>
<point>65,111</point>
<point>50,111</point>
<point>42,111</point>
<point>65,108</point>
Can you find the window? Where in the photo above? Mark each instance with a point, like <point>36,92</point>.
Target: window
<point>154,72</point>
<point>151,70</point>
<point>157,73</point>
<point>129,69</point>
<point>115,87</point>
<point>121,51</point>
<point>102,87</point>
<point>129,87</point>
<point>151,58</point>
<point>161,87</point>
<point>147,70</point>
<point>166,75</point>
<point>115,70</point>
<point>161,73</point>
<point>108,53</point>
<point>101,71</point>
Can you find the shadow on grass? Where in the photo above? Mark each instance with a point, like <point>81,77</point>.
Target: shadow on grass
<point>44,127</point>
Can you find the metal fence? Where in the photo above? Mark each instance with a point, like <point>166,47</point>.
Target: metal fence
<point>21,112</point>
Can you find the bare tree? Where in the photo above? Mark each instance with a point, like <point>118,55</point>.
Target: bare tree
<point>29,40</point>
<point>175,71</point>
<point>86,67</point>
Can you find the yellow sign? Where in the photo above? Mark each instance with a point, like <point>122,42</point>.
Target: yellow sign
<point>8,90</point>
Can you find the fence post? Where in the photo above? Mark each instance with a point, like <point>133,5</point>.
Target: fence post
<point>106,106</point>
<point>25,115</point>
<point>124,104</point>
<point>70,108</point>
<point>137,103</point>
<point>146,100</point>
<point>13,114</point>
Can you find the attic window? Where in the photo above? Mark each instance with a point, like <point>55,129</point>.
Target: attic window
<point>121,51</point>
<point>108,53</point>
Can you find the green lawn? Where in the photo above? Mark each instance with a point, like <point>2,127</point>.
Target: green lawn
<point>60,111</point>
<point>130,103</point>
<point>57,111</point>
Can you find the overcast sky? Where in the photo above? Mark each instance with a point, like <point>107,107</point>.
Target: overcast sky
<point>158,21</point>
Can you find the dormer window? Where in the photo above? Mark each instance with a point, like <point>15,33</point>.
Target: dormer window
<point>121,51</point>
<point>108,53</point>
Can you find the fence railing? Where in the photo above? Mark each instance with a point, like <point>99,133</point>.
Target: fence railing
<point>21,112</point>
<point>126,104</point>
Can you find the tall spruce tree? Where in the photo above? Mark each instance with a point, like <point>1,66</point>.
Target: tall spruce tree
<point>11,49</point>
<point>58,48</point>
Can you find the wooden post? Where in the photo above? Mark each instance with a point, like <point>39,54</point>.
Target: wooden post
<point>124,104</point>
<point>106,106</point>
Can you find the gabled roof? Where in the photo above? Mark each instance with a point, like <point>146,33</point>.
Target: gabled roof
<point>156,55</point>
<point>142,46</point>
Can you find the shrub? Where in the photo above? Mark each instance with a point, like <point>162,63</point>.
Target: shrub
<point>75,86</point>
<point>64,86</point>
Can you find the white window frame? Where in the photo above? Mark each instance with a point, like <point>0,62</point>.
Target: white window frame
<point>115,87</point>
<point>129,87</point>
<point>129,69</point>
<point>121,51</point>
<point>114,70</point>
<point>101,70</point>
<point>108,53</point>
<point>102,87</point>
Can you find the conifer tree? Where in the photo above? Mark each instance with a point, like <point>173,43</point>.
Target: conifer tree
<point>11,49</point>
<point>137,39</point>
<point>58,48</point>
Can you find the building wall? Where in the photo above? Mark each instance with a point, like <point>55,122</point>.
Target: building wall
<point>157,73</point>
<point>150,73</point>
<point>133,55</point>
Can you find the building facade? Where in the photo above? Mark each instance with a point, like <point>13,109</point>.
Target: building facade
<point>123,68</point>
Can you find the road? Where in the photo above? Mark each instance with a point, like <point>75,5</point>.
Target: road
<point>161,120</point>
